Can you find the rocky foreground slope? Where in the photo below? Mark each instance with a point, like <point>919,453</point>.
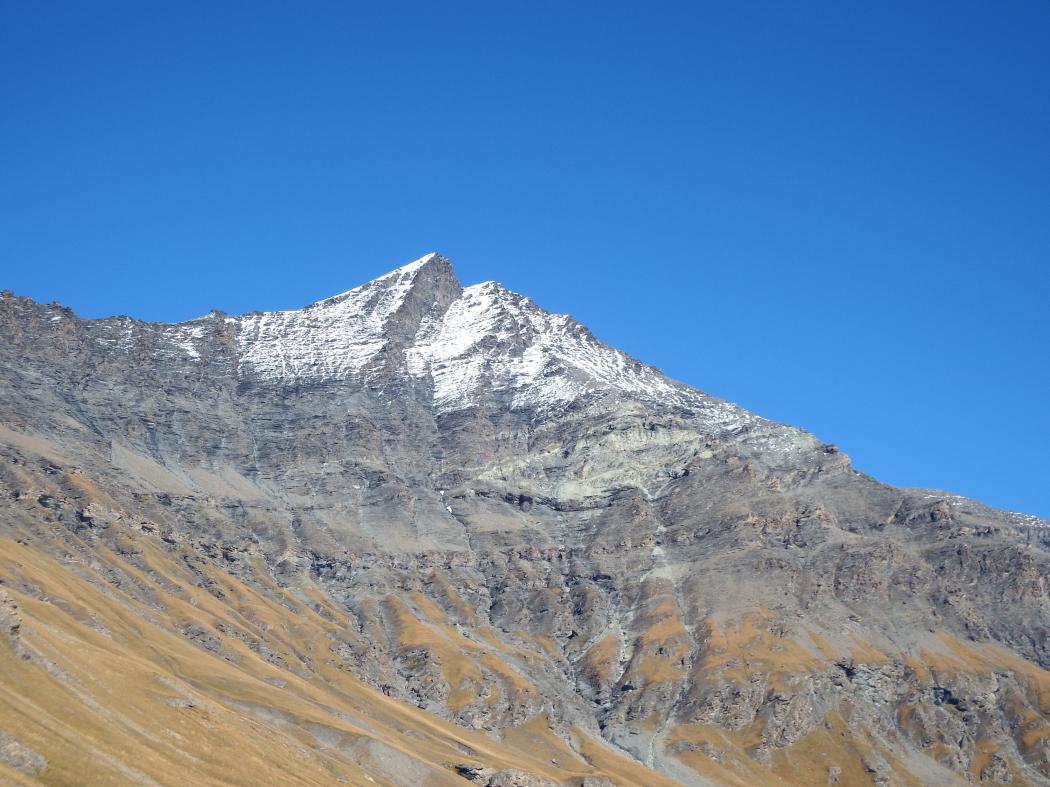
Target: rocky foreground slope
<point>421,534</point>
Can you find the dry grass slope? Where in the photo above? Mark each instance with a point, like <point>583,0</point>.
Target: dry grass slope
<point>105,685</point>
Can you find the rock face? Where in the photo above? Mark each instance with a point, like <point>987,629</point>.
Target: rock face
<point>473,511</point>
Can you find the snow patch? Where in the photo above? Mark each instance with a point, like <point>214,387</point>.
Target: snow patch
<point>184,337</point>
<point>494,341</point>
<point>332,339</point>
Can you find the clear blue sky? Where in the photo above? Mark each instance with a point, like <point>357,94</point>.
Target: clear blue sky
<point>836,214</point>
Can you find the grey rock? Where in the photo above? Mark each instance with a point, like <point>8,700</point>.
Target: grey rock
<point>997,770</point>
<point>11,624</point>
<point>513,777</point>
<point>14,753</point>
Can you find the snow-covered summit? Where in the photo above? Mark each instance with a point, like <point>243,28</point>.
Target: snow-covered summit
<point>482,341</point>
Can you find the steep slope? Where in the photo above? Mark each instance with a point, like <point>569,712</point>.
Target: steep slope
<point>418,526</point>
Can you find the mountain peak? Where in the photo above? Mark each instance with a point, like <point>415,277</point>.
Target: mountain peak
<point>460,348</point>
<point>429,268</point>
<point>468,346</point>
<point>433,263</point>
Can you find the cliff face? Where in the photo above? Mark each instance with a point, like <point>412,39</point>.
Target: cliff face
<point>417,533</point>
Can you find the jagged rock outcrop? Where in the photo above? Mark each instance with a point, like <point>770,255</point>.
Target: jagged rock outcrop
<point>446,499</point>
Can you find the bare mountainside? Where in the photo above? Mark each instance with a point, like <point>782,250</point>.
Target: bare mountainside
<point>421,534</point>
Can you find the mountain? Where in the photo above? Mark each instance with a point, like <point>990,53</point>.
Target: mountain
<point>418,533</point>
